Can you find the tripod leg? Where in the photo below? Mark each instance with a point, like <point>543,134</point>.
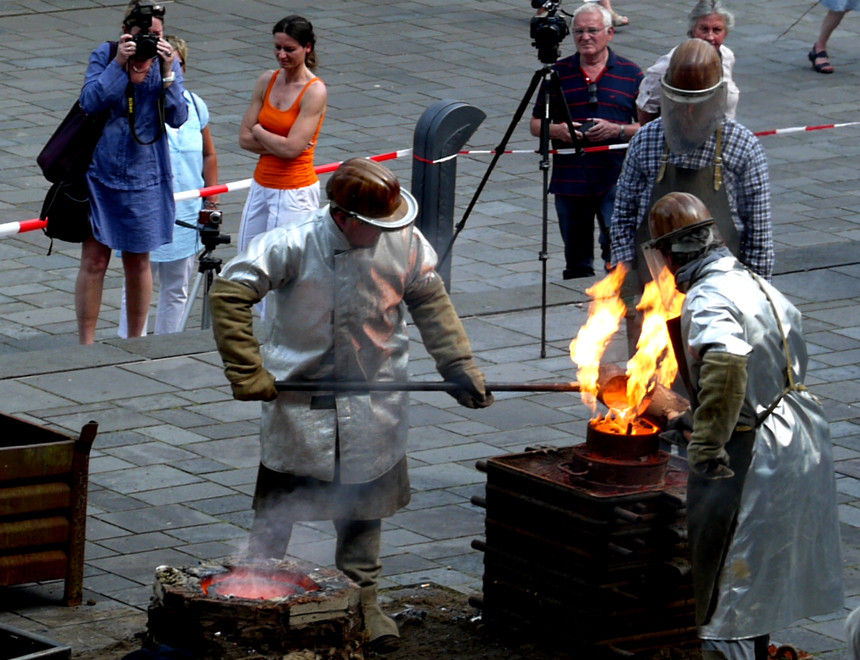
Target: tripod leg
<point>206,317</point>
<point>536,79</point>
<point>190,302</point>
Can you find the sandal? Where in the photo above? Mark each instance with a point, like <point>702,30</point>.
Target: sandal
<point>821,67</point>
<point>618,20</point>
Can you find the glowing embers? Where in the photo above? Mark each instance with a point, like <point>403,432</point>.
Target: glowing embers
<point>257,584</point>
<point>237,609</point>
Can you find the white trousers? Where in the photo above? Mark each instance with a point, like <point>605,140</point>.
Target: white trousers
<point>173,278</point>
<point>267,208</point>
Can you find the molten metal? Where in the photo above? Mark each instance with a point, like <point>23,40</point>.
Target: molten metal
<point>614,424</point>
<point>257,585</point>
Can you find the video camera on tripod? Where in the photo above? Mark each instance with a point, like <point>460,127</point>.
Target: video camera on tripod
<point>209,229</point>
<point>208,266</point>
<point>548,30</point>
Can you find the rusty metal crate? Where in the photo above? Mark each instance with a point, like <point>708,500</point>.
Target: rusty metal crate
<point>581,568</point>
<point>44,476</point>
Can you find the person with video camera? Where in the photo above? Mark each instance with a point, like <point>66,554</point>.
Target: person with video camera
<point>339,284</point>
<point>282,125</point>
<point>600,89</point>
<point>130,180</point>
<point>194,162</point>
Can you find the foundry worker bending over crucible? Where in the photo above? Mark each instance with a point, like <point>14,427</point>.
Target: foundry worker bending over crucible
<point>695,148</point>
<point>761,496</point>
<point>339,283</point>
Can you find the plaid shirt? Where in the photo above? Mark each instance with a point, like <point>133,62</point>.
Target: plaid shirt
<point>744,173</point>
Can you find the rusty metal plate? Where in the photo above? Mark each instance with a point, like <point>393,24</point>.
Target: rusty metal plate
<point>17,500</point>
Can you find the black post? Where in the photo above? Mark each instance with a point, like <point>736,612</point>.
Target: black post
<point>442,131</point>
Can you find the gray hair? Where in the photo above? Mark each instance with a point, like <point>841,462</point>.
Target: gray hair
<point>593,8</point>
<point>696,243</point>
<point>706,8</point>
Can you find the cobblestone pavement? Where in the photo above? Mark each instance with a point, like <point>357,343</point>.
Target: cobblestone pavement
<point>174,464</point>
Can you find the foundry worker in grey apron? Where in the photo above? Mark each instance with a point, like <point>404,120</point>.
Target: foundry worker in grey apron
<point>693,147</point>
<point>761,497</point>
<point>339,283</point>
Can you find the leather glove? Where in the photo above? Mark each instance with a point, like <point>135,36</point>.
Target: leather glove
<point>471,391</point>
<point>233,324</point>
<point>445,339</point>
<point>722,388</point>
<point>714,468</point>
<point>679,429</point>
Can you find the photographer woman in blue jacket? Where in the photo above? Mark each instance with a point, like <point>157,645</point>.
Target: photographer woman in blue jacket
<point>130,180</point>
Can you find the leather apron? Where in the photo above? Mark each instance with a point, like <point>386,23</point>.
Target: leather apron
<point>712,509</point>
<point>706,184</point>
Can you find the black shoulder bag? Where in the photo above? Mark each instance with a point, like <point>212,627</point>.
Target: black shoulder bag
<point>64,161</point>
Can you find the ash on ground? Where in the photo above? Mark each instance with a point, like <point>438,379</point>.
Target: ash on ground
<point>435,623</point>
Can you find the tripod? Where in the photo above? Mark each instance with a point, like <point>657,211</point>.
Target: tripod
<point>208,266</point>
<point>551,83</point>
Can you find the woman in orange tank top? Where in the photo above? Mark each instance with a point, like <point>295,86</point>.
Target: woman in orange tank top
<point>281,125</point>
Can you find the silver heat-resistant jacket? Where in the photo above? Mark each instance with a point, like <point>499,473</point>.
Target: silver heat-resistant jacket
<point>335,312</point>
<point>784,561</point>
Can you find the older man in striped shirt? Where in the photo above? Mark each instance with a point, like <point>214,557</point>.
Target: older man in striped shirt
<point>600,89</point>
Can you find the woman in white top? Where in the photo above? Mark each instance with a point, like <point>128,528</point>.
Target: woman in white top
<point>194,164</point>
<point>710,21</point>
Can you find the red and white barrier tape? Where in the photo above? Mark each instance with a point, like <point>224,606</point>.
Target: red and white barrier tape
<point>13,228</point>
<point>246,183</point>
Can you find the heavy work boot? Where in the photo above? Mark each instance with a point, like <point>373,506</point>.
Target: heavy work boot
<point>269,538</point>
<point>357,555</point>
<point>755,648</point>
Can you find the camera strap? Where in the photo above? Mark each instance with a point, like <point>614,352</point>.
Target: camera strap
<point>132,114</point>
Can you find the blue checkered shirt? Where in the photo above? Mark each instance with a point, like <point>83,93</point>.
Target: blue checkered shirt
<point>744,173</point>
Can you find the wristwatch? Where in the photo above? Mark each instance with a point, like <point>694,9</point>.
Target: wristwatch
<point>169,78</point>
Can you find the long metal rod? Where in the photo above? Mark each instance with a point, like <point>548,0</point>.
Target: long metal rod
<point>414,386</point>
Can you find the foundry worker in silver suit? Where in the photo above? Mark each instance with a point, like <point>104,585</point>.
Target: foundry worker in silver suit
<point>761,497</point>
<point>339,283</point>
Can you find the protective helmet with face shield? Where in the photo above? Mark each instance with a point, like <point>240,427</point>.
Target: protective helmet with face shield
<point>682,228</point>
<point>368,191</point>
<point>694,96</point>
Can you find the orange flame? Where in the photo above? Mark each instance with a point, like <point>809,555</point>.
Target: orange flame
<point>604,316</point>
<point>654,361</point>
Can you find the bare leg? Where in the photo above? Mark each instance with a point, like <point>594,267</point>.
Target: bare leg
<point>138,289</point>
<point>95,258</point>
<point>617,19</point>
<point>828,25</point>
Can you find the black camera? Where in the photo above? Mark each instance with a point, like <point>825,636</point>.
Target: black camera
<point>548,31</point>
<point>141,16</point>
